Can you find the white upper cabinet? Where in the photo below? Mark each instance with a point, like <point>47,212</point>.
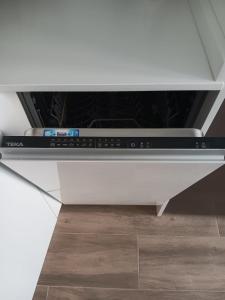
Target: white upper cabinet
<point>107,44</point>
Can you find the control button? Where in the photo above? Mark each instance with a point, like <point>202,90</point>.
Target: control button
<point>203,145</point>
<point>90,145</point>
<point>64,145</point>
<point>106,145</point>
<point>197,145</point>
<point>52,144</point>
<point>71,145</point>
<point>99,145</point>
<point>112,145</point>
<point>133,145</point>
<point>118,145</point>
<point>83,145</point>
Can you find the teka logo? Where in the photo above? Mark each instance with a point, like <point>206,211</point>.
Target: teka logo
<point>14,144</point>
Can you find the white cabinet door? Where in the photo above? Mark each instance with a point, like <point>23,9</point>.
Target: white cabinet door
<point>122,176</point>
<point>130,182</point>
<point>44,174</point>
<point>27,222</point>
<point>13,121</point>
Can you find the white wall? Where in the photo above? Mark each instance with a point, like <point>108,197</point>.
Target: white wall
<point>27,221</point>
<point>218,7</point>
<point>210,28</point>
<point>13,120</point>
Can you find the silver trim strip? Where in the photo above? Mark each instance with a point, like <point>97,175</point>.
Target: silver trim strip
<point>112,154</point>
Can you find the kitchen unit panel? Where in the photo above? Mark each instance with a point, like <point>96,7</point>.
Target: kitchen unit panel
<point>44,174</point>
<point>102,45</point>
<point>129,183</point>
<point>26,226</point>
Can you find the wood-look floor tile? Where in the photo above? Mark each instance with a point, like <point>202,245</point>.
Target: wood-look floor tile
<point>57,293</point>
<point>40,292</point>
<point>186,215</point>
<point>91,260</point>
<point>97,219</point>
<point>220,211</point>
<point>182,263</point>
<point>221,217</point>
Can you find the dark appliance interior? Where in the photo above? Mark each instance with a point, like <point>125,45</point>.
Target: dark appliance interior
<point>144,109</point>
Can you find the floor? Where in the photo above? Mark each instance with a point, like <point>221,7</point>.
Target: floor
<point>118,252</point>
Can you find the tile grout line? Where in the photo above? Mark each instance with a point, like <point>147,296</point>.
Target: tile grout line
<point>93,233</point>
<point>130,234</point>
<point>138,261</point>
<point>47,292</point>
<point>216,216</point>
<point>217,225</point>
<point>134,289</point>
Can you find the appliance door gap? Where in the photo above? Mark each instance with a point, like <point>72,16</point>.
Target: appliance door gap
<point>123,110</point>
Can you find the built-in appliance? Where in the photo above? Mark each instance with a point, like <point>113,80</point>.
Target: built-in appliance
<point>124,147</point>
<point>117,98</point>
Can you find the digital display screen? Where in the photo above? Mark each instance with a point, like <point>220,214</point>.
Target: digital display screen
<point>70,132</point>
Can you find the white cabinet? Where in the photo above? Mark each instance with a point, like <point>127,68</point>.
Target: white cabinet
<point>107,44</point>
<point>27,215</point>
<point>104,45</point>
<point>13,120</point>
<point>95,45</point>
<point>130,182</point>
<point>27,221</point>
<point>44,174</point>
